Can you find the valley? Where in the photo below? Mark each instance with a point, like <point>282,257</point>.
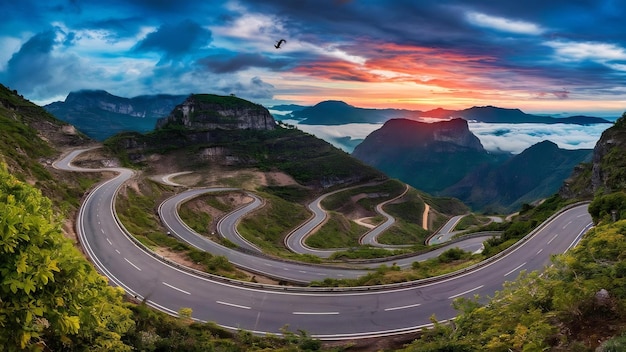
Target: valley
<point>165,282</point>
<point>133,223</point>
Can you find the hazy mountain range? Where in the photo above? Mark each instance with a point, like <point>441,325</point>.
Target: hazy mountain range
<point>334,112</point>
<point>442,157</point>
<point>100,114</point>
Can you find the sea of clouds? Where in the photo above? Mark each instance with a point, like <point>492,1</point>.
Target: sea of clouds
<point>495,137</point>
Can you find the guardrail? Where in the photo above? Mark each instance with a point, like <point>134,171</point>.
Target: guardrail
<point>337,289</point>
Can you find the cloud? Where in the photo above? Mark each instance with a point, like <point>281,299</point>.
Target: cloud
<point>175,40</point>
<point>341,136</point>
<point>609,55</point>
<point>34,70</point>
<point>503,24</point>
<point>221,63</point>
<point>514,138</point>
<point>495,137</point>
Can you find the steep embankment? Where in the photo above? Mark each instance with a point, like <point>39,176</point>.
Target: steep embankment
<point>31,140</point>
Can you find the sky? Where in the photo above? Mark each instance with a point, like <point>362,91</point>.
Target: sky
<point>555,57</point>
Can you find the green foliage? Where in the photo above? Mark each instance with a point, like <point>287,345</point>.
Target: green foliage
<point>603,206</point>
<point>293,194</point>
<point>156,331</point>
<point>583,294</point>
<point>366,252</point>
<point>470,220</point>
<point>381,192</point>
<point>136,211</point>
<point>307,159</point>
<point>528,219</point>
<point>616,344</point>
<point>49,294</point>
<point>337,232</point>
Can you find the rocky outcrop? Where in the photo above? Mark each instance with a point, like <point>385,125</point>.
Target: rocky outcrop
<point>428,156</point>
<point>605,173</point>
<point>211,112</point>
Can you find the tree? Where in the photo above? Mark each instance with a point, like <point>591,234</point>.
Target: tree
<point>50,296</point>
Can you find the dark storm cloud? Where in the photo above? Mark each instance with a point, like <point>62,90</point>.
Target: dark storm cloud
<point>34,70</point>
<point>29,66</point>
<point>221,63</point>
<point>175,40</point>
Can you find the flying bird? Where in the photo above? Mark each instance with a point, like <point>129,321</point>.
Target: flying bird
<point>279,43</point>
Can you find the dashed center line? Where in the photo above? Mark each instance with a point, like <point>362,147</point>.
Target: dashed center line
<point>516,268</point>
<point>232,305</point>
<point>134,266</point>
<point>108,240</point>
<point>552,239</point>
<point>403,307</point>
<point>566,225</point>
<point>118,251</point>
<point>541,250</point>
<point>176,288</point>
<point>465,292</point>
<point>315,313</point>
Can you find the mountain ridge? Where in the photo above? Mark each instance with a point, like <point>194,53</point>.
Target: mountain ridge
<point>334,112</point>
<point>100,114</point>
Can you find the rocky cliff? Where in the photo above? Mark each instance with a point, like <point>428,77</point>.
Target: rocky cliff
<point>210,112</point>
<point>606,170</point>
<point>428,156</point>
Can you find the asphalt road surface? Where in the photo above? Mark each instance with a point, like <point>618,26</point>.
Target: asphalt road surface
<point>356,313</point>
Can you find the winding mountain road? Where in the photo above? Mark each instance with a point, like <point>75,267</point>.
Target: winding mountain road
<point>324,313</point>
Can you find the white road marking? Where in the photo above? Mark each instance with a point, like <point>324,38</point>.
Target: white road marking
<point>267,264</point>
<point>176,288</point>
<point>552,239</point>
<point>232,305</point>
<point>102,230</point>
<point>566,225</point>
<point>302,271</point>
<point>514,270</point>
<point>315,313</point>
<point>541,250</point>
<point>108,240</point>
<point>135,266</point>
<point>468,291</point>
<point>118,251</point>
<point>403,307</point>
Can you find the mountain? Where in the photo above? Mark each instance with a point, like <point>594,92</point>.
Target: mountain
<point>428,156</point>
<point>494,114</point>
<point>536,173</point>
<point>209,111</point>
<point>31,139</point>
<point>446,159</point>
<point>605,173</point>
<point>288,107</point>
<point>209,130</point>
<point>100,114</point>
<point>334,112</point>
